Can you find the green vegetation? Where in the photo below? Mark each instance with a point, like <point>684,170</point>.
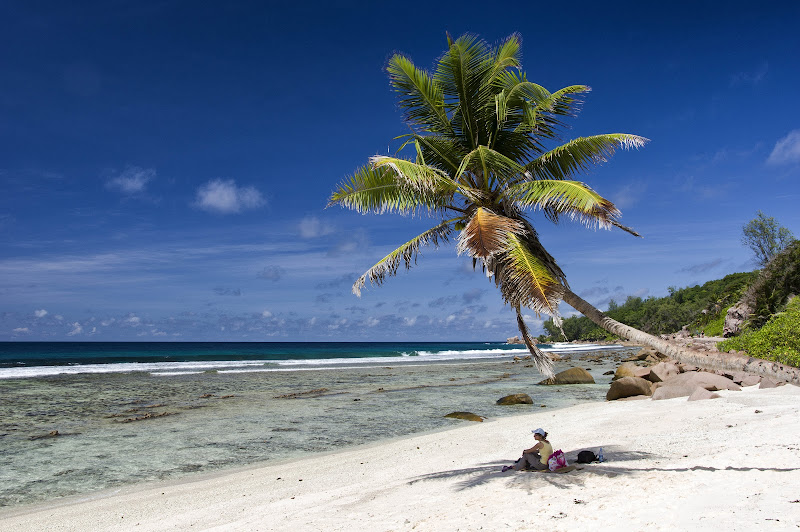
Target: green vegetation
<point>777,282</point>
<point>778,339</point>
<point>765,237</point>
<point>702,308</point>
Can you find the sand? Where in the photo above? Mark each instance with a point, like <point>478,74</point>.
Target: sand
<point>731,463</point>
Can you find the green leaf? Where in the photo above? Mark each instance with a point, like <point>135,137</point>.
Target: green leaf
<point>573,198</point>
<point>377,190</point>
<point>580,154</point>
<point>526,280</point>
<point>407,253</point>
<point>420,95</point>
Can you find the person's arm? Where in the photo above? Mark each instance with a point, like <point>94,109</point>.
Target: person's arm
<point>533,449</point>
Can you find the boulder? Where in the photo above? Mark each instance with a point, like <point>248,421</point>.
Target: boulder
<point>629,386</point>
<point>701,393</point>
<point>706,380</point>
<point>515,399</point>
<point>767,383</point>
<point>629,369</point>
<point>570,376</point>
<point>686,368</point>
<point>513,340</point>
<point>469,416</point>
<point>662,371</point>
<point>735,317</point>
<point>750,380</point>
<point>671,392</point>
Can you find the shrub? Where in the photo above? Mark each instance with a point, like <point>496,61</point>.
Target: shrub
<point>778,339</point>
<point>715,326</point>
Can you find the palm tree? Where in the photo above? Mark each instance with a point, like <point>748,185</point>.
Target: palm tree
<point>480,131</point>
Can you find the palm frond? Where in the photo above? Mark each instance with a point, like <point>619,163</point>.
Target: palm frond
<point>407,253</point>
<point>491,165</point>
<point>441,151</point>
<point>486,234</point>
<point>377,190</point>
<point>580,155</point>
<point>564,102</point>
<point>461,72</point>
<point>526,280</point>
<point>542,362</point>
<point>420,96</point>
<point>573,198</point>
<point>424,178</point>
<point>626,229</point>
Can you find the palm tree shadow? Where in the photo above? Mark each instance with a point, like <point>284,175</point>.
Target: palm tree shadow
<point>528,480</point>
<point>618,462</point>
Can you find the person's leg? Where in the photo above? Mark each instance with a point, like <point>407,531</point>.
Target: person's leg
<point>528,460</point>
<point>538,465</point>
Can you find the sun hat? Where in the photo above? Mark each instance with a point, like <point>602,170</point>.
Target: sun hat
<point>540,432</point>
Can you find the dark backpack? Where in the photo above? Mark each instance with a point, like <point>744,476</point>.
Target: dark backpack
<point>586,457</point>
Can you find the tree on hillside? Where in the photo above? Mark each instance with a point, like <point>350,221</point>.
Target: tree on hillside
<point>479,131</point>
<point>765,237</point>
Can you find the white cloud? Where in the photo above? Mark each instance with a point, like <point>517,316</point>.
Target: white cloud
<point>408,322</point>
<point>22,330</point>
<point>266,314</point>
<point>629,194</point>
<point>787,149</point>
<point>133,320</point>
<point>223,196</point>
<point>76,329</point>
<point>133,180</point>
<point>40,313</point>
<point>372,322</point>
<point>312,227</point>
<point>753,77</point>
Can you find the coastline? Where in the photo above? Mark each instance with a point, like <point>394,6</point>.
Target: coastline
<point>730,463</point>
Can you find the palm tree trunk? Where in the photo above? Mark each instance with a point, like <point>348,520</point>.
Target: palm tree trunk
<point>710,361</point>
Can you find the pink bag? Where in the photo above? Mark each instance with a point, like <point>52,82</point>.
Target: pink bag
<point>557,460</point>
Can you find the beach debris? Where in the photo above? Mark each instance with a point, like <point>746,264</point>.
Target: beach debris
<point>515,399</point>
<point>309,393</point>
<point>570,376</point>
<point>629,387</point>
<point>468,416</point>
<point>146,415</point>
<point>51,434</point>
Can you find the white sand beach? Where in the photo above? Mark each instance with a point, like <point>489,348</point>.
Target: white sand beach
<point>731,463</point>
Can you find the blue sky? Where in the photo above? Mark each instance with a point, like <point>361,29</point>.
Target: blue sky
<point>165,165</point>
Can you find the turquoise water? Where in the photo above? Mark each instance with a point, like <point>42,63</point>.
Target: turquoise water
<point>115,414</point>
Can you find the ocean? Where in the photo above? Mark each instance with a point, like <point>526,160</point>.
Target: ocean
<point>76,418</point>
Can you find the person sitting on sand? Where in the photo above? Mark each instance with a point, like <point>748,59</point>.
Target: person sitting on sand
<point>535,457</point>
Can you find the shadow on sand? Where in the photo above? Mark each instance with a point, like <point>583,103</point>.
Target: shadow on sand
<point>614,465</point>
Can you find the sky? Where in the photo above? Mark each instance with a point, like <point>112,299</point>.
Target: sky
<point>165,165</point>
